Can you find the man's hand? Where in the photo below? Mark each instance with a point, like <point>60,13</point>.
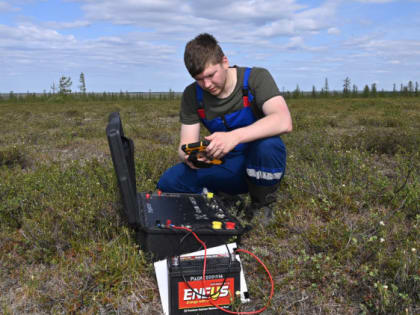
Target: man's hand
<point>185,160</point>
<point>188,134</point>
<point>221,143</point>
<point>199,158</point>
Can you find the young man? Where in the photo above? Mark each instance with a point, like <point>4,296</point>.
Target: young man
<point>244,112</point>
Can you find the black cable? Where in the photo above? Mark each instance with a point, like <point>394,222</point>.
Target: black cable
<point>176,252</point>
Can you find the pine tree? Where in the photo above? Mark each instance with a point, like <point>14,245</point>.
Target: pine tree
<point>366,91</point>
<point>346,86</point>
<point>313,91</point>
<point>53,87</point>
<point>373,90</point>
<point>171,94</point>
<point>82,85</point>
<point>64,85</point>
<point>296,92</point>
<point>416,89</point>
<point>326,90</point>
<point>354,91</point>
<point>410,88</point>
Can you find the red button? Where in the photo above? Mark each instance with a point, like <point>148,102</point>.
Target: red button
<point>230,225</point>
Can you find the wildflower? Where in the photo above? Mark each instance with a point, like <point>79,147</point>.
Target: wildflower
<point>382,223</point>
<point>344,185</point>
<point>385,287</point>
<point>413,250</point>
<point>382,240</point>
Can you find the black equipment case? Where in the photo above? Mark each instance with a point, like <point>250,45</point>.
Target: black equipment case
<point>153,215</point>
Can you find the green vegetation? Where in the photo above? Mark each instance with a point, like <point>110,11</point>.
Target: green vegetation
<point>345,240</point>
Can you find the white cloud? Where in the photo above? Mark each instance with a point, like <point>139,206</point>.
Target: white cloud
<point>256,12</point>
<point>295,43</point>
<point>66,25</point>
<point>234,21</point>
<point>32,36</point>
<point>26,44</point>
<point>386,47</point>
<point>6,7</point>
<point>333,31</point>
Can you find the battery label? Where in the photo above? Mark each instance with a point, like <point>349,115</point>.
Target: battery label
<point>188,297</point>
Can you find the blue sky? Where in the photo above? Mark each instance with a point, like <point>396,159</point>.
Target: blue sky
<point>137,45</point>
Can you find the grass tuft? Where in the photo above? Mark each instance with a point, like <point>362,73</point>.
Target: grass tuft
<point>13,156</point>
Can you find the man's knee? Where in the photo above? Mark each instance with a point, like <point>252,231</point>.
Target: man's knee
<point>269,145</point>
<point>179,179</point>
<point>266,162</point>
<point>166,182</point>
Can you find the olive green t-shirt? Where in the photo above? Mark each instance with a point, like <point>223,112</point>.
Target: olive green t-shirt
<point>260,83</point>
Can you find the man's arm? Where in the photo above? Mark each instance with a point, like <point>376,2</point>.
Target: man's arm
<point>189,134</point>
<point>277,120</point>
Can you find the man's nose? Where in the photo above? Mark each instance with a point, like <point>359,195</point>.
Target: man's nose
<point>207,82</point>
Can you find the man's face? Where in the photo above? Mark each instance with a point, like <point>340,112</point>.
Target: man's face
<point>213,78</point>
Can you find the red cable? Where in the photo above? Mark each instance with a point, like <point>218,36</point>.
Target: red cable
<point>201,242</point>
<point>237,250</point>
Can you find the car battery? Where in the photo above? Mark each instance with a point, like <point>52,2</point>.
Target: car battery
<point>189,293</point>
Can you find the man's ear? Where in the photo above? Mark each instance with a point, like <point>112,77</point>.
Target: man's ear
<point>225,62</point>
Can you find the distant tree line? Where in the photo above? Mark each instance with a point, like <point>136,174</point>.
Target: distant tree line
<point>89,96</point>
<point>349,90</point>
<point>63,91</point>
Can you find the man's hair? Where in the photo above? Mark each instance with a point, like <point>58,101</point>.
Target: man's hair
<point>200,52</point>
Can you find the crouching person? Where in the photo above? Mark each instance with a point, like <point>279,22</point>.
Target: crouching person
<point>245,114</point>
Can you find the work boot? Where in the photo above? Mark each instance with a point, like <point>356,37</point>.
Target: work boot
<point>261,199</point>
<point>263,214</point>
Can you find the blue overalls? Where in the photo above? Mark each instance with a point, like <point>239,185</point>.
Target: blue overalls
<point>261,162</point>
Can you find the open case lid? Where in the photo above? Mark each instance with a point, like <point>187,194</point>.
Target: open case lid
<point>122,152</point>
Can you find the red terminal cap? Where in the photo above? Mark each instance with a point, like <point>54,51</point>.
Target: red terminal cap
<point>147,196</point>
<point>168,222</point>
<point>230,225</point>
<point>159,192</point>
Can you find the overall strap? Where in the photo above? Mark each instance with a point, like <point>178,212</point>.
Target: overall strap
<point>199,95</point>
<point>246,94</point>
